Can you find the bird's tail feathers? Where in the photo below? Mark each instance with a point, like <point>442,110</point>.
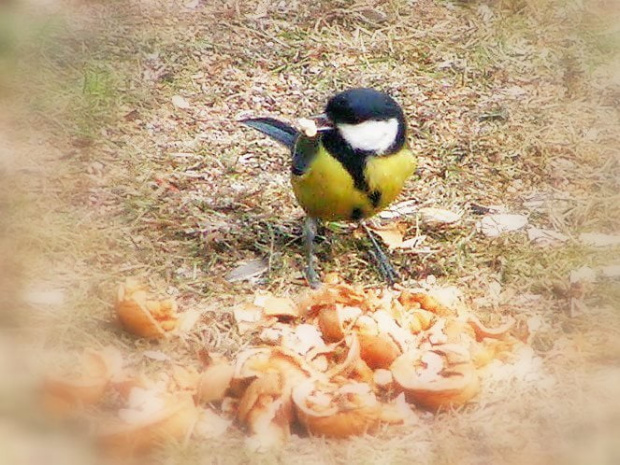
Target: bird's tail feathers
<point>279,131</point>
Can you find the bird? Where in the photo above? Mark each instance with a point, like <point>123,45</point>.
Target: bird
<point>347,163</point>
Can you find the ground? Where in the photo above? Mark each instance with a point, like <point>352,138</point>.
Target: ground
<point>122,157</point>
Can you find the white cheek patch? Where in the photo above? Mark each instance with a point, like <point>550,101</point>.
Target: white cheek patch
<point>371,136</point>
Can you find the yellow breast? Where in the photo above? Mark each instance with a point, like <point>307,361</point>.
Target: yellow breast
<point>327,191</point>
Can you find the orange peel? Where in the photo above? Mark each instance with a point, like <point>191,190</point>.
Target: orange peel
<point>331,295</point>
<point>266,409</point>
<point>253,363</point>
<point>482,331</point>
<point>173,420</point>
<point>436,378</point>
<point>378,351</point>
<point>280,307</point>
<point>333,321</point>
<point>420,320</point>
<point>337,409</point>
<point>142,315</point>
<point>351,359</point>
<point>214,383</point>
<point>413,300</point>
<point>97,369</point>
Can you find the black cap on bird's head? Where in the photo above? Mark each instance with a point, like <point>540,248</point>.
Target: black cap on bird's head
<point>357,121</point>
<point>355,106</point>
<point>365,120</point>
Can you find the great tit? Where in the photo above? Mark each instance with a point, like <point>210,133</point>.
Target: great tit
<point>350,167</point>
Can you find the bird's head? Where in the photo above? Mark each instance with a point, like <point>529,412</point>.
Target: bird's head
<point>368,120</point>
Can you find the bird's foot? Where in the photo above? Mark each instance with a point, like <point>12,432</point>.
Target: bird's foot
<point>387,271</point>
<point>310,227</point>
<point>312,277</point>
<point>383,262</point>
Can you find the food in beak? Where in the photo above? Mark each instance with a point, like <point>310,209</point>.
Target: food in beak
<point>311,126</point>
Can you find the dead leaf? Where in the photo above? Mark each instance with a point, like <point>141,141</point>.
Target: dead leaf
<point>581,283</point>
<point>400,209</point>
<point>599,240</point>
<point>157,355</point>
<point>392,235</point>
<point>585,274</point>
<point>44,297</point>
<point>412,245</point>
<point>248,270</point>
<point>545,237</point>
<point>438,216</point>
<point>192,4</point>
<point>496,225</point>
<point>515,91</point>
<point>610,271</point>
<point>372,15</point>
<point>180,102</point>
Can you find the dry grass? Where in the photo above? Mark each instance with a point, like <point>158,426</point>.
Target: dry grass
<point>508,102</point>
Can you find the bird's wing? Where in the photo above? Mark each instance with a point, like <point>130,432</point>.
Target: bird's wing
<point>306,150</point>
<point>303,149</point>
<point>279,131</point>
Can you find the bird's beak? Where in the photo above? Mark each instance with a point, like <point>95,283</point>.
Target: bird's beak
<point>322,122</point>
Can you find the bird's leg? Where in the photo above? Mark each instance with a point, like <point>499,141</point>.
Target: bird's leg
<point>385,267</point>
<point>310,228</point>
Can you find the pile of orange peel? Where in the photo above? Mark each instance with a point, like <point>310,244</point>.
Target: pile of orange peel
<point>339,361</point>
